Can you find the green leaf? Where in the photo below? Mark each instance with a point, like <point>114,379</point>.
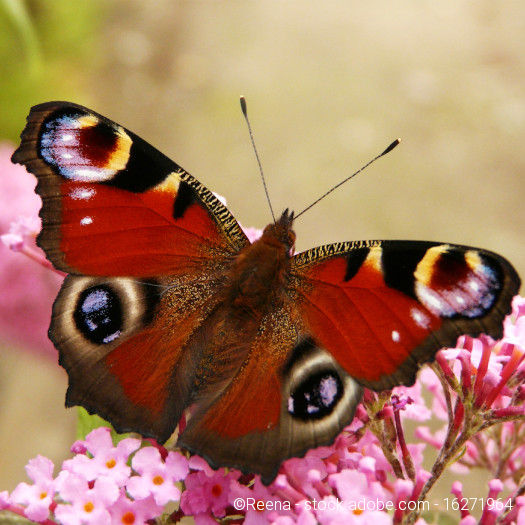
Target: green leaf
<point>48,51</point>
<point>87,422</point>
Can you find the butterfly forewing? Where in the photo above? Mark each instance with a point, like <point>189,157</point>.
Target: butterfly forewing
<point>384,307</point>
<point>114,205</point>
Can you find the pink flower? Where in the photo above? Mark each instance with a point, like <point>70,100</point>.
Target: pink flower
<point>303,477</point>
<point>207,490</point>
<point>107,460</point>
<point>434,439</point>
<point>87,488</point>
<point>22,233</point>
<point>369,446</point>
<point>18,197</point>
<point>205,494</point>
<point>130,512</point>
<point>304,517</point>
<point>428,379</point>
<point>198,463</point>
<point>87,505</point>
<point>157,478</point>
<point>4,499</point>
<point>352,485</point>
<point>28,289</point>
<point>514,324</point>
<point>37,497</point>
<point>414,406</point>
<point>252,233</point>
<point>332,511</point>
<point>518,512</point>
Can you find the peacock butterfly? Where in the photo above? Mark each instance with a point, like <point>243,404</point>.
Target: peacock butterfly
<point>167,304</point>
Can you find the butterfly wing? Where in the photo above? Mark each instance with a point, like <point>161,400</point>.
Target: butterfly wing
<point>114,205</point>
<point>288,396</point>
<point>382,308</point>
<point>147,246</point>
<point>129,348</point>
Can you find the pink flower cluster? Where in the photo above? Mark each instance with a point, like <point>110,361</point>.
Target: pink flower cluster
<point>101,484</point>
<point>104,483</point>
<point>484,384</point>
<point>28,289</point>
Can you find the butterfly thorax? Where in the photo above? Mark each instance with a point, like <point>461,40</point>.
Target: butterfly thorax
<point>259,272</point>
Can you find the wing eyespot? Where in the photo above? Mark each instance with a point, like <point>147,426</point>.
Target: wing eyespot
<point>316,387</point>
<point>316,396</point>
<point>451,282</point>
<point>98,314</point>
<point>83,148</point>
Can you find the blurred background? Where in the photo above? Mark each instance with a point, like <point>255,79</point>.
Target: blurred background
<point>328,84</point>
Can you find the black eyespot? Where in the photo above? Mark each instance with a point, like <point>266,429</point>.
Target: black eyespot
<point>98,314</point>
<point>317,396</point>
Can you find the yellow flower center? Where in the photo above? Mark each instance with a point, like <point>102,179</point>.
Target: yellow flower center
<point>158,480</point>
<point>88,507</point>
<point>111,463</point>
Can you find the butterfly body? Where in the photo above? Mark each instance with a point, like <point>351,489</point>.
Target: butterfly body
<point>169,308</point>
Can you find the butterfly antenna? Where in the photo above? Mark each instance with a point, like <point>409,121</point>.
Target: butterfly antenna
<point>245,113</point>
<point>387,150</point>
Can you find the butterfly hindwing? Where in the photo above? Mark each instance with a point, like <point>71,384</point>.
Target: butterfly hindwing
<point>288,396</point>
<point>129,347</point>
<point>384,307</point>
<point>114,205</point>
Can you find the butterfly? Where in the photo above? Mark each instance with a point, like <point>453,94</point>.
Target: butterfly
<point>167,306</point>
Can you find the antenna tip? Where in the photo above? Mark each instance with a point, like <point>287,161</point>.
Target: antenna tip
<point>243,106</point>
<point>391,147</point>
